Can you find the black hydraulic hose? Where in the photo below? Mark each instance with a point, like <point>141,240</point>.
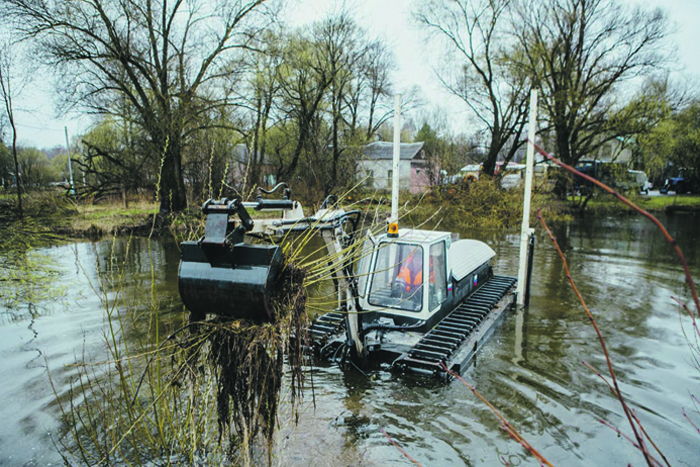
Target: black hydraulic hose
<point>309,220</point>
<point>275,188</point>
<point>328,202</point>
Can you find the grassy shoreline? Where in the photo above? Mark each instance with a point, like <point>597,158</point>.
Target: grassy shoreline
<point>54,214</point>
<point>606,204</point>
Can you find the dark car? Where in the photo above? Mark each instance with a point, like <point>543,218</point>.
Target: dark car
<point>681,185</point>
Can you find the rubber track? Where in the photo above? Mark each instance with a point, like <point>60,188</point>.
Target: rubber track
<point>444,340</point>
<point>326,325</point>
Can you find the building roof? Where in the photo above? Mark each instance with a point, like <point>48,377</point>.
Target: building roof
<point>385,150</point>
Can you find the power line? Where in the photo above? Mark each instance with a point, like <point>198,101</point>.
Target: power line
<point>39,128</point>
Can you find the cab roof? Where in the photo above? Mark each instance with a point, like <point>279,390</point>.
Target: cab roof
<point>421,236</point>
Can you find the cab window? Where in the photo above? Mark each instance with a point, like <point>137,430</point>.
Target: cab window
<point>397,277</point>
<point>438,275</point>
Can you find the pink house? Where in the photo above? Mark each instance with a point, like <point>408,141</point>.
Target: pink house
<point>376,165</point>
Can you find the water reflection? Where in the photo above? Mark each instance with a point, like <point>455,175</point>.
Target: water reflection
<point>64,324</point>
<point>531,369</point>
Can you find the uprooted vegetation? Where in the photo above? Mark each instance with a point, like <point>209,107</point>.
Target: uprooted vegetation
<point>207,394</point>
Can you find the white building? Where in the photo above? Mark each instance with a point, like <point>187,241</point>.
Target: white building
<point>376,164</point>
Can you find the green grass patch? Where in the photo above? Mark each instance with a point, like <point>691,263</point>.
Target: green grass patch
<point>606,204</point>
<point>662,202</point>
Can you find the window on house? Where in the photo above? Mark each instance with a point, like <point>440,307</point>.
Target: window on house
<point>369,178</point>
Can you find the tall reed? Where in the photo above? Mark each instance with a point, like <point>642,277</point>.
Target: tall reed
<point>204,392</point>
<point>199,396</point>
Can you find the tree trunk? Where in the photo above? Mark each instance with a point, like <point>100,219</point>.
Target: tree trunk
<point>336,150</point>
<point>253,158</point>
<point>173,197</point>
<point>564,155</point>
<point>303,133</point>
<point>125,201</point>
<point>17,179</point>
<point>491,159</point>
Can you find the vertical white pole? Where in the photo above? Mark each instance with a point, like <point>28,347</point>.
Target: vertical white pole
<point>525,228</point>
<point>82,159</point>
<point>395,165</point>
<point>70,166</point>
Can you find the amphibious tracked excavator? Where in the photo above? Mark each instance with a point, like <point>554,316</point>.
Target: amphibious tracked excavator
<point>416,299</point>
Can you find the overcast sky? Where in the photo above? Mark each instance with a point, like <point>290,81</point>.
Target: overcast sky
<point>388,19</point>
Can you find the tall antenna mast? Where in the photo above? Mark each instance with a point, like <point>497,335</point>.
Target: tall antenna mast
<point>397,156</point>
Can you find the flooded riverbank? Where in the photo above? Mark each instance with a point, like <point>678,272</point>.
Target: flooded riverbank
<point>531,369</point>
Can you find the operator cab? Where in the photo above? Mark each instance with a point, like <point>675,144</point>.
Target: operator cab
<point>406,277</point>
<point>420,275</point>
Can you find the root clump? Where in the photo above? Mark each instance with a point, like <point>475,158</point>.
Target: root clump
<point>246,358</point>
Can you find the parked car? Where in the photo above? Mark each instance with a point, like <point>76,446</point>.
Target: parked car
<point>681,185</point>
<point>635,180</point>
<point>613,175</point>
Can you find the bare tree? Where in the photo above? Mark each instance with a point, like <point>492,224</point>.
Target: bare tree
<point>304,80</point>
<point>342,44</point>
<point>579,54</point>
<point>264,88</point>
<point>10,87</point>
<point>167,58</point>
<point>376,71</point>
<point>113,160</point>
<point>485,79</point>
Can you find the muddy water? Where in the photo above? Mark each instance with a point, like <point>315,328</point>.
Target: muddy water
<point>531,370</point>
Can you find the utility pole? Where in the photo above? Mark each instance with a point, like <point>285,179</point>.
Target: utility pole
<point>70,166</point>
<point>525,230</point>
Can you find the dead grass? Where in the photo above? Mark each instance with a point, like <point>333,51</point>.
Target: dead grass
<point>111,216</point>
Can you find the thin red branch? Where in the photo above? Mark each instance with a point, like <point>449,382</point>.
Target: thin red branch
<point>634,414</point>
<point>599,375</point>
<point>641,427</point>
<point>690,421</point>
<point>671,240</point>
<point>504,423</point>
<point>400,448</point>
<point>618,393</point>
<point>655,463</point>
<point>690,313</point>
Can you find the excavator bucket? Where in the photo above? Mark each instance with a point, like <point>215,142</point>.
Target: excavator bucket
<point>221,275</point>
<point>237,287</point>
